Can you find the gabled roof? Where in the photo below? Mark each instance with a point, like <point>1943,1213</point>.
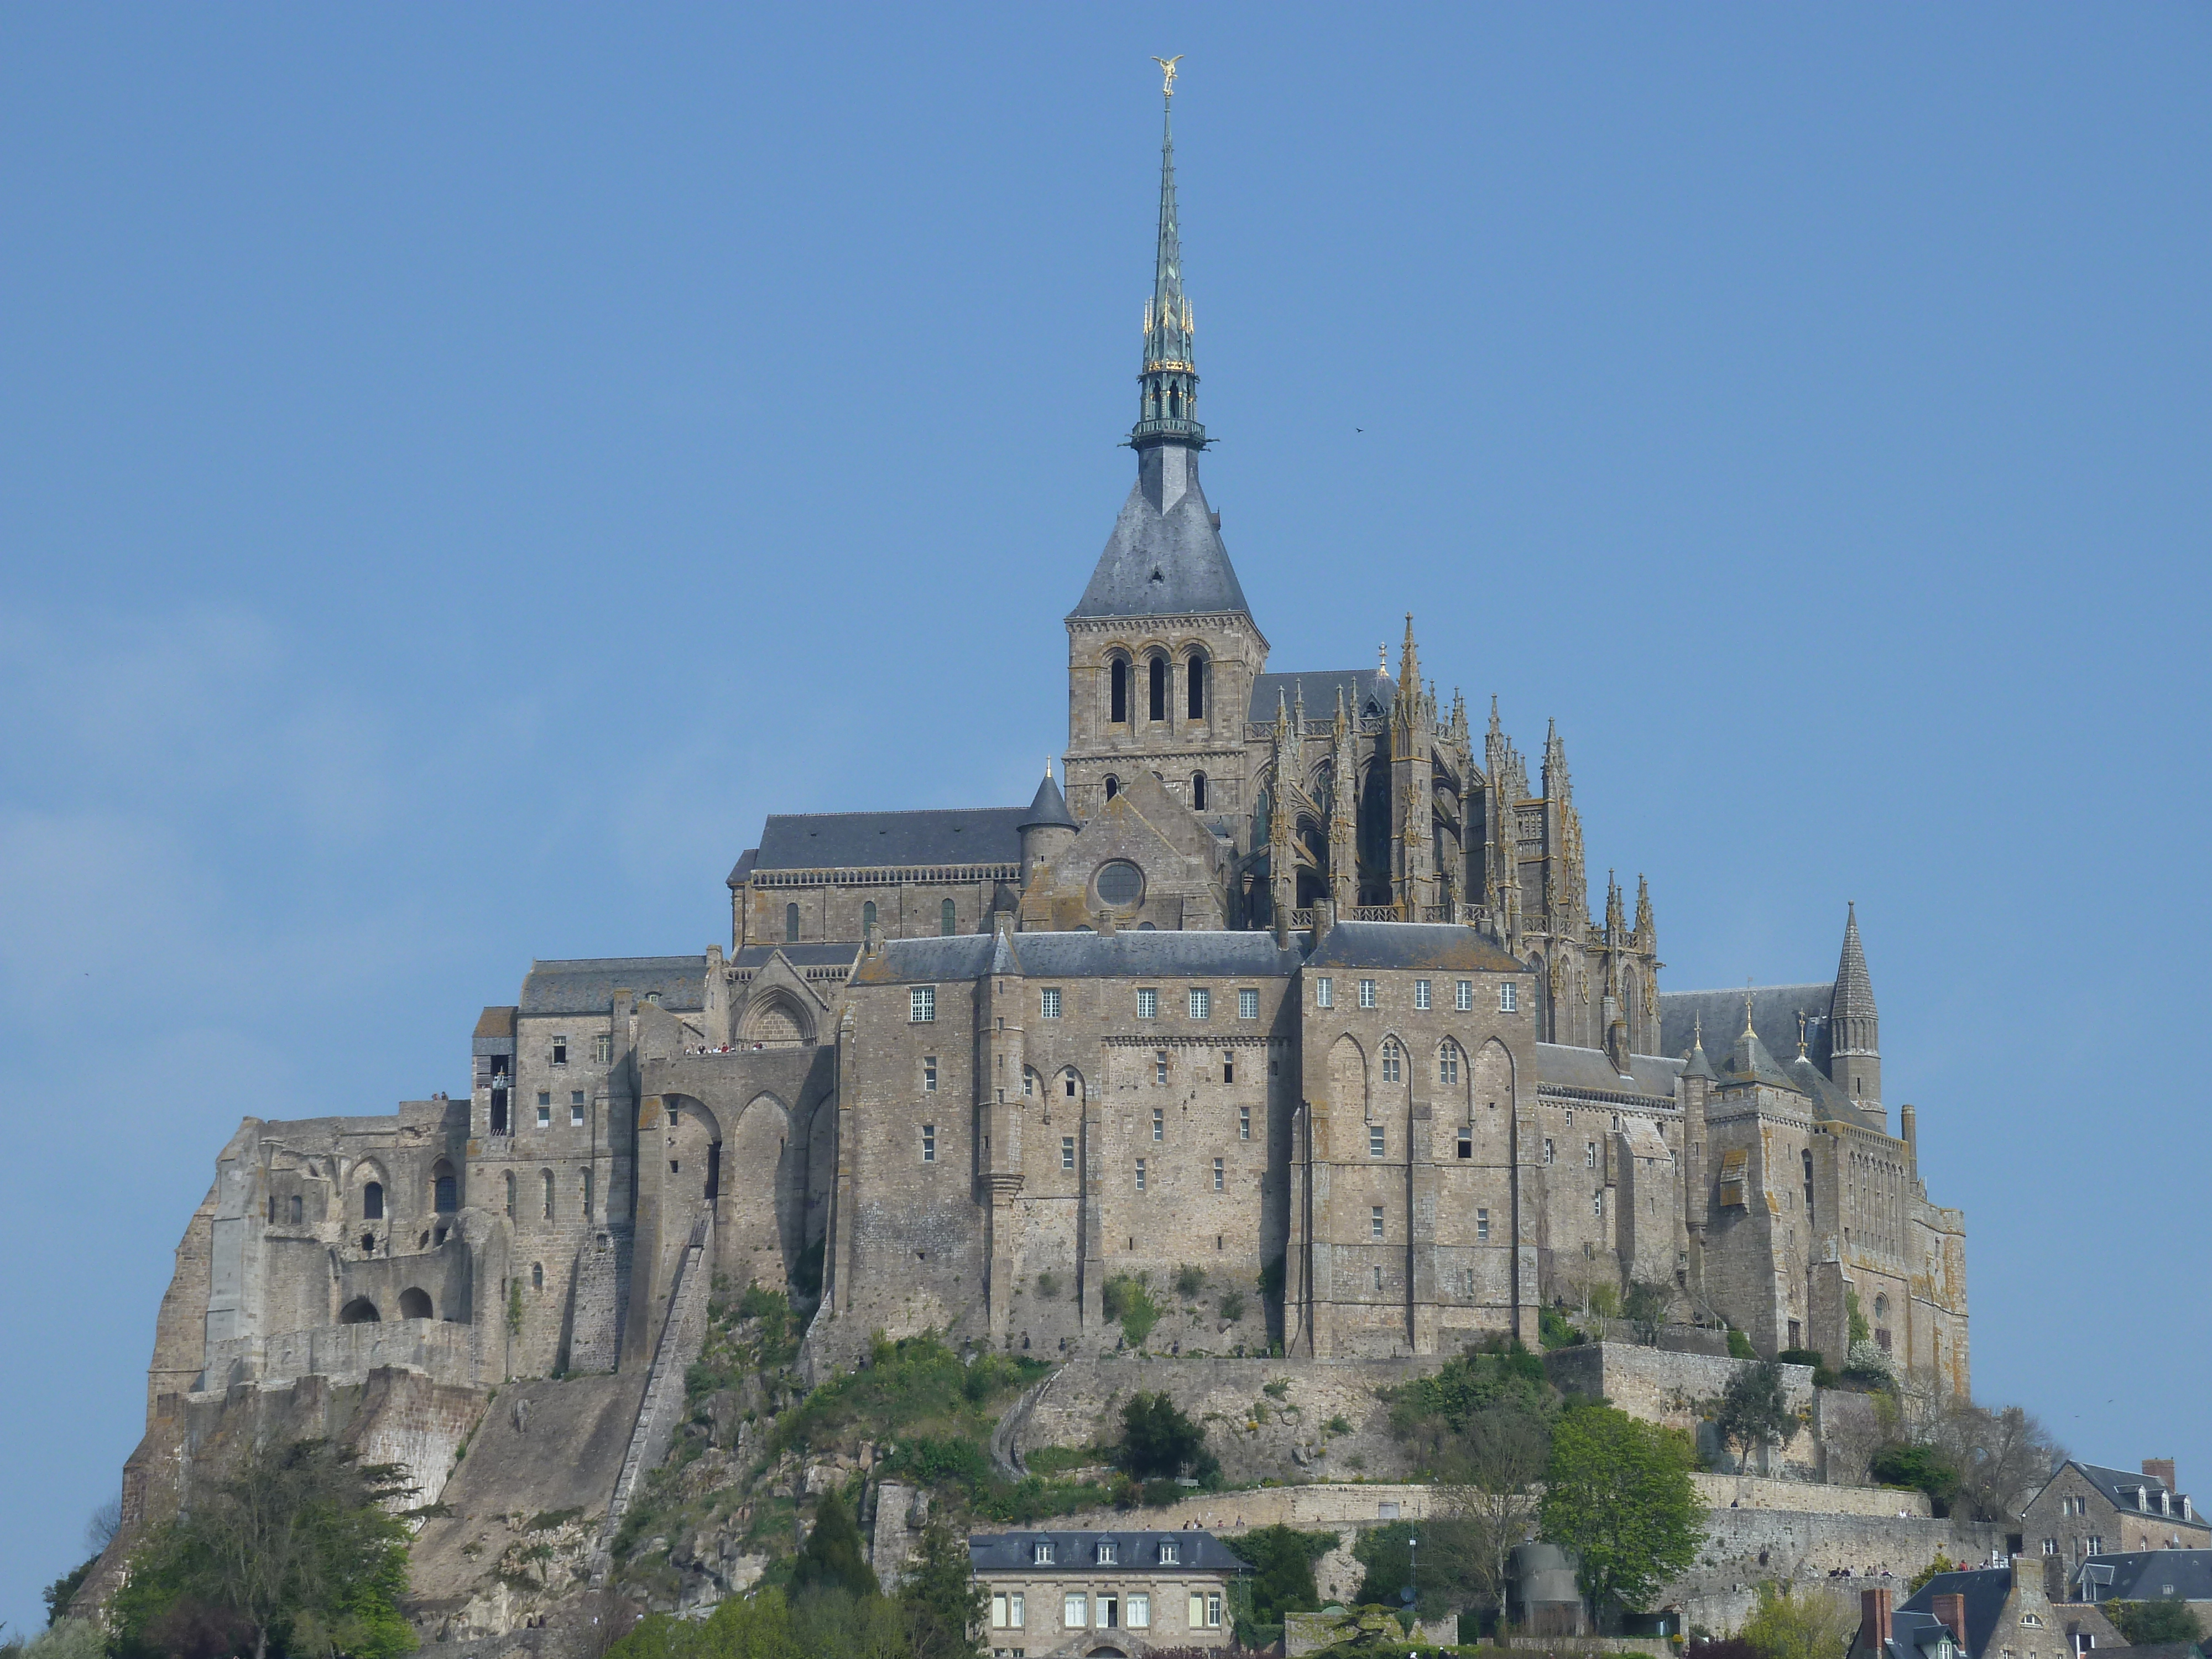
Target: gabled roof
<point>588,985</point>
<point>1984,1590</point>
<point>1774,1012</point>
<point>798,956</point>
<point>1367,691</point>
<point>1443,945</point>
<point>1590,1070</point>
<point>2118,1487</point>
<point>846,841</point>
<point>1016,1551</point>
<point>1165,557</point>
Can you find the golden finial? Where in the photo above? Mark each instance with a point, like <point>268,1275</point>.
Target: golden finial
<point>1168,71</point>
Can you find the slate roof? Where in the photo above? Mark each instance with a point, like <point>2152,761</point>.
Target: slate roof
<point>2154,1575</point>
<point>1158,563</point>
<point>997,1552</point>
<point>1049,808</point>
<point>798,956</point>
<point>2118,1487</point>
<point>1562,1067</point>
<point>1911,1635</point>
<point>743,866</point>
<point>1774,1011</point>
<point>1081,955</point>
<point>588,985</point>
<point>1360,686</point>
<point>1984,1588</point>
<point>1443,945</point>
<point>495,1022</point>
<point>846,841</point>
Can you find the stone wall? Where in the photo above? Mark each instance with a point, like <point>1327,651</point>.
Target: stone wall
<point>343,1355</point>
<point>1673,1388</point>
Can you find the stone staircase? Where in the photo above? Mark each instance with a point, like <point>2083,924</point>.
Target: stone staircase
<point>683,1334</point>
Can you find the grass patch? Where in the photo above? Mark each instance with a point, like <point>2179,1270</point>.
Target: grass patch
<point>1129,1299</point>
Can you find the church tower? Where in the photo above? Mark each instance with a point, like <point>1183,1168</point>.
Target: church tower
<point>1162,650</point>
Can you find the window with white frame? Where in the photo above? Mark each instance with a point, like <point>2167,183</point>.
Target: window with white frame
<point>1205,1610</point>
<point>921,1005</point>
<point>1139,1611</point>
<point>1464,996</point>
<point>1109,1552</point>
<point>1049,1000</point>
<point>1160,1068</point>
<point>1201,1002</point>
<point>1482,1226</point>
<point>1028,1080</point>
<point>1170,1553</point>
<point>1219,1174</point>
<point>1590,1154</point>
<point>1067,1151</point>
<point>1448,1062</point>
<point>1391,1056</point>
<point>1375,1222</point>
<point>1324,992</point>
<point>1244,1123</point>
<point>576,1109</point>
<point>1159,1124</point>
<point>560,1051</point>
<point>1597,1202</point>
<point>1006,1610</point>
<point>1420,993</point>
<point>1228,1065</point>
<point>929,1074</point>
<point>602,1049</point>
<point>1367,993</point>
<point>1074,1611</point>
<point>1148,1004</point>
<point>1466,1147</point>
<point>1248,1005</point>
<point>929,1142</point>
<point>544,1108</point>
<point>1040,1554</point>
<point>1509,996</point>
<point>1140,1175</point>
<point>1378,1141</point>
<point>1547,1149</point>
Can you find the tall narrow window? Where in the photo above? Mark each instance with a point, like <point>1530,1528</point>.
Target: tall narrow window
<point>921,1005</point>
<point>1157,667</point>
<point>510,1195</point>
<point>1248,1005</point>
<point>576,1109</point>
<point>1159,1124</point>
<point>1219,1173</point>
<point>1448,1062</point>
<point>560,1051</point>
<point>1049,1002</point>
<point>1367,993</point>
<point>1374,1224</point>
<point>1465,1148</point>
<point>1420,993</point>
<point>1391,1057</point>
<point>546,1181</point>
<point>1201,1003</point>
<point>1508,997</point>
<point>1244,1123</point>
<point>1067,1151</point>
<point>1482,1226</point>
<point>445,1191</point>
<point>1194,674</point>
<point>372,1202</point>
<point>1198,791</point>
<point>1117,678</point>
<point>602,1049</point>
<point>929,1142</point>
<point>1112,786</point>
<point>1324,992</point>
<point>1148,1003</point>
<point>1228,1065</point>
<point>868,917</point>
<point>1464,996</point>
<point>1378,1143</point>
<point>946,918</point>
<point>1140,1175</point>
<point>537,1275</point>
<point>1160,1074</point>
<point>791,924</point>
<point>929,1074</point>
<point>584,1191</point>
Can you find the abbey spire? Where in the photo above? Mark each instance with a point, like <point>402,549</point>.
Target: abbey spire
<point>1853,1030</point>
<point>1167,410</point>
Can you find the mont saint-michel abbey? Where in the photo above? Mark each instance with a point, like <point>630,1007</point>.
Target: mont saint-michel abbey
<point>1296,975</point>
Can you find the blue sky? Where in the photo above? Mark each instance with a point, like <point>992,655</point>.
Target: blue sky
<point>461,467</point>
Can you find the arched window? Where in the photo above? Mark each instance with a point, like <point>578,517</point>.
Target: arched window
<point>414,1303</point>
<point>1112,786</point>
<point>1157,666</point>
<point>510,1195</point>
<point>1198,791</point>
<point>791,924</point>
<point>947,919</point>
<point>1117,681</point>
<point>868,917</point>
<point>1448,1062</point>
<point>445,1191</point>
<point>359,1311</point>
<point>547,1178</point>
<point>1067,1083</point>
<point>537,1275</point>
<point>372,1201</point>
<point>1391,1056</point>
<point>1195,679</point>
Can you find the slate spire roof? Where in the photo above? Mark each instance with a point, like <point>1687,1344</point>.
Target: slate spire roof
<point>1751,1063</point>
<point>1853,1026</point>
<point>1048,810</point>
<point>1165,557</point>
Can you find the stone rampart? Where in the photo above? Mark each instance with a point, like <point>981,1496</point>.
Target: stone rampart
<point>1752,1491</point>
<point>344,1355</point>
<point>1674,1390</point>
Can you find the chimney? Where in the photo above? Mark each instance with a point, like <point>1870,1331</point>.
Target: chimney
<point>2160,1469</point>
<point>1950,1611</point>
<point>1874,1620</point>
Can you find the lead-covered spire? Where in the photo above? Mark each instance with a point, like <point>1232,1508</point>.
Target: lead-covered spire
<point>1168,406</point>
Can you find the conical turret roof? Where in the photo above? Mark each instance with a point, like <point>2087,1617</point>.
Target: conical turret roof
<point>1048,810</point>
<point>1853,1024</point>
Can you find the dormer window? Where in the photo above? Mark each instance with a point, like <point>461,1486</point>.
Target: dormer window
<point>1040,1555</point>
<point>1170,1554</point>
<point>1108,1552</point>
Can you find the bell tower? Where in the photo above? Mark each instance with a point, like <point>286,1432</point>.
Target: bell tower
<point>1162,650</point>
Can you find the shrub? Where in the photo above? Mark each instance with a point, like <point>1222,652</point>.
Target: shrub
<point>1128,1300</point>
<point>2145,1622</point>
<point>1810,1626</point>
<point>1739,1346</point>
<point>1190,1281</point>
<point>1553,1331</point>
<point>1338,1425</point>
<point>1282,1562</point>
<point>1233,1306</point>
<point>1157,1441</point>
<point>1922,1469</point>
<point>1276,1389</point>
<point>1048,1286</point>
<point>832,1555</point>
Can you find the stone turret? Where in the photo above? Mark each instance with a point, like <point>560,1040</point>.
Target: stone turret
<point>1048,829</point>
<point>1853,1030</point>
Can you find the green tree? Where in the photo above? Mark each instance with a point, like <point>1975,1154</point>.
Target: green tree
<point>1754,1410</point>
<point>58,1594</point>
<point>293,1550</point>
<point>1282,1562</point>
<point>2145,1622</point>
<point>1923,1468</point>
<point>832,1554</point>
<point>943,1604</point>
<point>1786,1626</point>
<point>1919,1581</point>
<point>1617,1493</point>
<point>1446,1570</point>
<point>1645,1308</point>
<point>1157,1441</point>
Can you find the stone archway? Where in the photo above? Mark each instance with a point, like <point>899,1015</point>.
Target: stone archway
<point>758,1215</point>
